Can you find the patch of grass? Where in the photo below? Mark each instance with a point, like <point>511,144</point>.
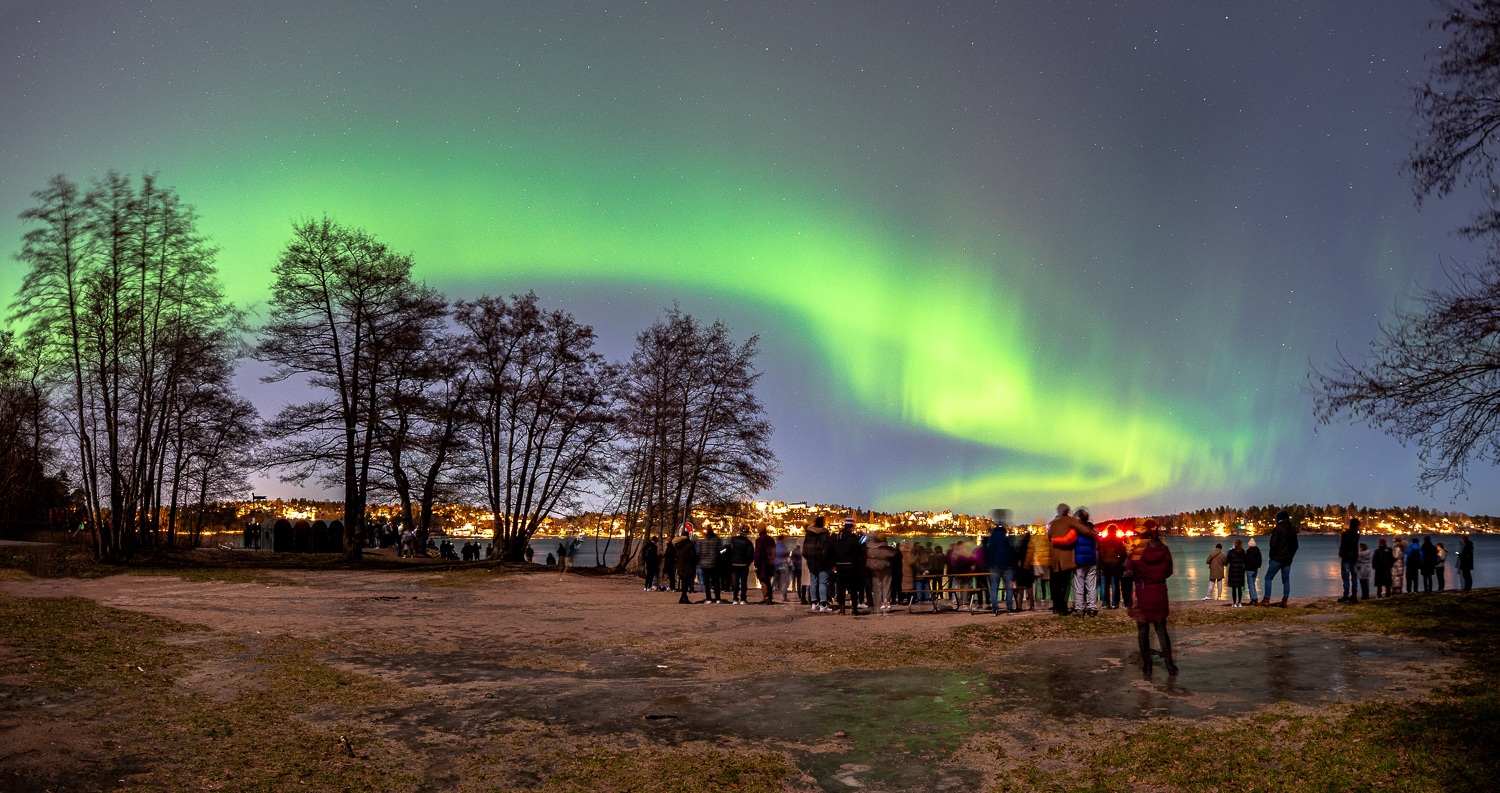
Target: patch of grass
<point>121,678</point>
<point>1444,742</point>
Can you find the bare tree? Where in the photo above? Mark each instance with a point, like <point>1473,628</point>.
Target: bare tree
<point>1432,377</point>
<point>693,429</point>
<point>542,412</point>
<point>123,299</point>
<point>343,306</point>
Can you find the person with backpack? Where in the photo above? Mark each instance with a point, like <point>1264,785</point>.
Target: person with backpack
<point>1283,550</point>
<point>1413,562</point>
<point>1150,571</point>
<point>1384,561</point>
<point>1085,567</point>
<point>1348,560</point>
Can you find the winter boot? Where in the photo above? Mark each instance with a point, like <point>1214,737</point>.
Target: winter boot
<point>1282,604</point>
<point>1166,658</point>
<point>1146,663</point>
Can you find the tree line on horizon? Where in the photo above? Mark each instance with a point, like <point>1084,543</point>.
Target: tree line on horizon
<point>117,373</point>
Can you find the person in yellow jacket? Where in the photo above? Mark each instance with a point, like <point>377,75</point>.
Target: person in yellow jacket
<point>1039,551</point>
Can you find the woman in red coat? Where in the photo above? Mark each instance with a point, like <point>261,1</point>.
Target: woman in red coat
<point>1151,569</point>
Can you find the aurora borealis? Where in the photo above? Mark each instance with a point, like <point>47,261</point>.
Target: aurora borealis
<point>1004,253</point>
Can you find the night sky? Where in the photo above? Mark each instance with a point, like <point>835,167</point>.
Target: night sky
<point>998,254</point>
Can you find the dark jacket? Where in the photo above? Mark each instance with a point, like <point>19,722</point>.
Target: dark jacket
<point>1283,539</point>
<point>847,549</point>
<point>1252,558</point>
<point>882,559</point>
<point>709,546</point>
<point>765,556</point>
<point>649,555</point>
<point>1112,555</point>
<point>999,553</point>
<point>741,551</point>
<point>1429,557</point>
<point>817,550</point>
<point>682,552</point>
<point>1413,559</point>
<point>1349,545</point>
<point>1235,567</point>
<point>1383,561</point>
<point>1466,556</point>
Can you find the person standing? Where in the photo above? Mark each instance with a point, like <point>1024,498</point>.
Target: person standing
<point>1215,562</point>
<point>1000,559</point>
<point>1086,567</point>
<point>1234,568</point>
<point>651,559</point>
<point>1466,564</point>
<point>1111,566</point>
<point>817,555</point>
<point>848,560</point>
<point>1040,557</point>
<point>1062,533</point>
<point>709,546</point>
<point>782,566</point>
<point>1252,567</point>
<point>1398,570</point>
<point>765,563</point>
<point>881,561</point>
<point>1429,563</point>
<point>686,556</point>
<point>669,563</point>
<point>1348,559</point>
<point>741,558</point>
<point>1383,560</point>
<point>1413,563</point>
<point>1364,568</point>
<point>1283,550</point>
<point>1442,567</point>
<point>1151,606</point>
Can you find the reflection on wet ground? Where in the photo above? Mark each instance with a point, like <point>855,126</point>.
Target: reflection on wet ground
<point>901,725</point>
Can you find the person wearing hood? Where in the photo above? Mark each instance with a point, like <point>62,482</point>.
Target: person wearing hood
<point>709,545</point>
<point>1384,562</point>
<point>1466,564</point>
<point>1063,533</point>
<point>1215,564</point>
<point>1234,568</point>
<point>1429,562</point>
<point>849,564</point>
<point>881,561</point>
<point>1252,567</point>
<point>1283,549</point>
<point>1086,567</point>
<point>1349,559</point>
<point>1413,562</point>
<point>1364,568</point>
<point>1000,559</point>
<point>1150,572</point>
<point>741,557</point>
<point>817,554</point>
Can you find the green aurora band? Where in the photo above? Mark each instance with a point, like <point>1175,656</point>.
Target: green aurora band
<point>959,361</point>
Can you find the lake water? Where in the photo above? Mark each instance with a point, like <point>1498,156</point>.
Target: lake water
<point>1315,570</point>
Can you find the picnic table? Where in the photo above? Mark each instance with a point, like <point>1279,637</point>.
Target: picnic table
<point>938,593</point>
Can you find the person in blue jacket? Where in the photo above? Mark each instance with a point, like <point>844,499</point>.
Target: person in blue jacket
<point>1413,563</point>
